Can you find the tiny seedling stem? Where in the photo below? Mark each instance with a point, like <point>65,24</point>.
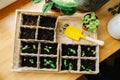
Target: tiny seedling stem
<point>31,61</point>
<point>34,47</point>
<point>49,62</point>
<point>72,50</point>
<point>25,47</point>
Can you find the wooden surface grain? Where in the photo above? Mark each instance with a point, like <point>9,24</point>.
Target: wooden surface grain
<point>7,32</point>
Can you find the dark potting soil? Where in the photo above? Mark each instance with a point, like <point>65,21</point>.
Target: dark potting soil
<point>88,65</point>
<point>69,50</point>
<point>49,48</point>
<point>45,34</point>
<point>29,47</point>
<point>27,33</point>
<point>43,65</point>
<point>29,19</point>
<point>46,21</point>
<point>88,51</point>
<point>28,61</point>
<point>68,61</point>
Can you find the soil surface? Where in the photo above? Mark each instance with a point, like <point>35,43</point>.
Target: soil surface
<point>46,21</point>
<point>28,61</point>
<point>29,19</point>
<point>45,34</point>
<point>27,33</point>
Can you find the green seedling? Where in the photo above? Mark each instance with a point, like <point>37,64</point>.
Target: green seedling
<point>25,47</point>
<point>72,50</point>
<point>83,53</point>
<point>88,48</point>
<point>87,69</point>
<point>93,51</point>
<point>34,47</point>
<point>65,63</point>
<point>49,62</point>
<point>47,48</point>
<point>83,67</point>
<point>70,67</point>
<point>31,61</point>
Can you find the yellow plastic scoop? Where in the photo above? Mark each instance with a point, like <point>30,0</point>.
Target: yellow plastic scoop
<point>76,33</point>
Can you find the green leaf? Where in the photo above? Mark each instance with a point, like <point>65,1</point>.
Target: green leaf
<point>46,7</point>
<point>52,65</point>
<point>65,63</point>
<point>36,1</point>
<point>70,67</point>
<point>66,3</point>
<point>72,50</point>
<point>83,67</point>
<point>68,11</point>
<point>34,47</point>
<point>25,47</point>
<point>31,61</point>
<point>83,53</point>
<point>47,50</point>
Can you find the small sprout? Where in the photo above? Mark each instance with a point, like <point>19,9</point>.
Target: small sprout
<point>49,62</point>
<point>88,48</point>
<point>25,47</point>
<point>83,67</point>
<point>34,47</point>
<point>72,50</point>
<point>45,60</point>
<point>83,53</point>
<point>65,63</point>
<point>93,51</point>
<point>52,65</point>
<point>47,48</point>
<point>88,69</point>
<point>31,61</point>
<point>70,67</point>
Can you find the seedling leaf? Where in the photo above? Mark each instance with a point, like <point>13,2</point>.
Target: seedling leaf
<point>25,47</point>
<point>31,61</point>
<point>65,63</point>
<point>46,7</point>
<point>36,1</point>
<point>34,47</point>
<point>70,67</point>
<point>72,50</point>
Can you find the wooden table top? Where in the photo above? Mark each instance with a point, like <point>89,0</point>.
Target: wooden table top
<point>7,32</point>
